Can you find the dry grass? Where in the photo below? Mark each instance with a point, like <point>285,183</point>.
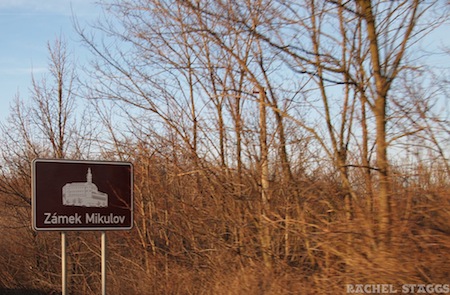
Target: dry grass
<point>212,247</point>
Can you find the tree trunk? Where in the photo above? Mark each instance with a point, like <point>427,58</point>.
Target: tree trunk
<point>379,110</point>
<point>264,166</point>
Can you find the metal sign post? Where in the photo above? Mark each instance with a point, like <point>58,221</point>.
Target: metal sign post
<point>63,264</point>
<point>103,263</point>
<point>71,195</point>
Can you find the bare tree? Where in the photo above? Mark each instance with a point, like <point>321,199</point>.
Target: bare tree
<point>270,178</point>
<point>43,125</point>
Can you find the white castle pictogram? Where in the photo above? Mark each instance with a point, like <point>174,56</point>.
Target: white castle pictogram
<point>83,194</point>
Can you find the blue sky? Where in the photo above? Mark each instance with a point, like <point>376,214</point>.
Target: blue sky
<point>26,26</point>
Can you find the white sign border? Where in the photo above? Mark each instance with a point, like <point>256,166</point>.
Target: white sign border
<point>69,161</point>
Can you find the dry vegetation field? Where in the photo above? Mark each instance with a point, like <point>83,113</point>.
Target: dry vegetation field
<point>194,234</point>
<point>296,151</point>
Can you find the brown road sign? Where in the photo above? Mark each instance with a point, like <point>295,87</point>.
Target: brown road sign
<point>81,195</point>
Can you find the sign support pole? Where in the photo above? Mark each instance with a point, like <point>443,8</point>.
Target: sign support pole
<point>63,264</point>
<point>115,200</point>
<point>103,263</point>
